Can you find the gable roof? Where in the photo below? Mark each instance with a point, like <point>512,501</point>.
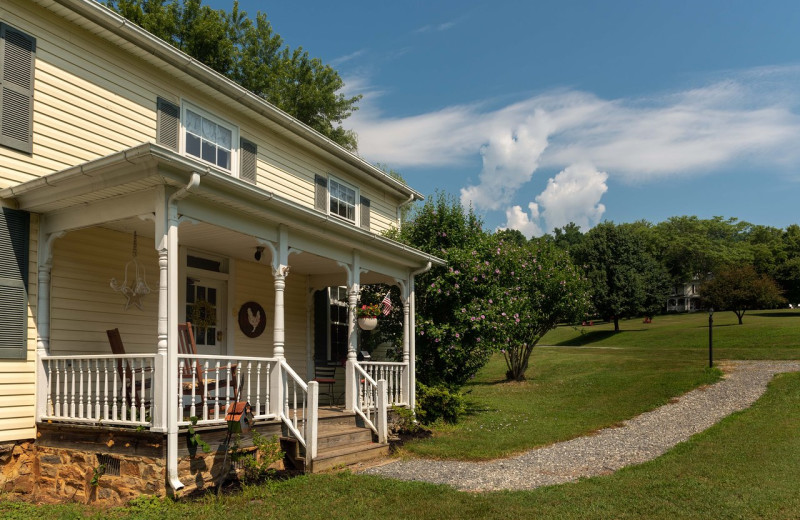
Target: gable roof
<point>107,24</point>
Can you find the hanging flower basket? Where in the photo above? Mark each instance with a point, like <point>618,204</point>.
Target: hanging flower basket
<point>367,322</point>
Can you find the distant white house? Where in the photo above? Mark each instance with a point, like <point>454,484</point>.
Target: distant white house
<point>685,297</point>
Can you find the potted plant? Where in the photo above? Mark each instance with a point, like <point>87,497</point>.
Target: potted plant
<point>368,316</point>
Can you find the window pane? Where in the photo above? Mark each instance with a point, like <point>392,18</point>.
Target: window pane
<point>223,158</point>
<point>224,137</point>
<point>193,122</point>
<point>192,145</point>
<point>209,131</point>
<point>209,152</point>
<point>212,296</point>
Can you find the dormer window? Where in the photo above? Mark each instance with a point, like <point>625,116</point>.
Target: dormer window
<point>208,139</point>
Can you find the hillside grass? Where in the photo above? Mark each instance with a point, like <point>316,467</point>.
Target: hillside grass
<point>590,378</point>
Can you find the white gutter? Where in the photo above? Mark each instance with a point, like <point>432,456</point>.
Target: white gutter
<point>172,324</point>
<point>412,344</point>
<point>411,199</point>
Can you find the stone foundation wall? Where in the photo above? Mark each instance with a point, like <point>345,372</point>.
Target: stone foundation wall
<point>49,474</point>
<point>66,464</point>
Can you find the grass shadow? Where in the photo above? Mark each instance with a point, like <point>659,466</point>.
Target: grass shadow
<point>780,314</point>
<point>594,336</point>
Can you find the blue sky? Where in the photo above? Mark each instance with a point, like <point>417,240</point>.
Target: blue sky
<point>541,113</point>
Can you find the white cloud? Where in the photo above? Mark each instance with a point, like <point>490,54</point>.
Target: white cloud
<point>749,117</point>
<point>574,196</point>
<point>525,223</point>
<point>509,160</point>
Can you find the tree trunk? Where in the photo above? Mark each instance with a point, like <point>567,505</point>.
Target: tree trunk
<point>616,324</point>
<point>739,315</point>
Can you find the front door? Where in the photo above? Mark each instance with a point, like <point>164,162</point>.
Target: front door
<point>205,308</point>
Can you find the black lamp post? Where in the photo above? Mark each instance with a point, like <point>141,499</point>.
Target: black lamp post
<point>710,337</point>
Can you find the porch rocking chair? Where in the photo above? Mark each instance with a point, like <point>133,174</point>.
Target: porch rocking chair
<point>131,377</point>
<point>199,385</point>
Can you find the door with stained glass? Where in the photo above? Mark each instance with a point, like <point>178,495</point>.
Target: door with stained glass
<point>205,308</point>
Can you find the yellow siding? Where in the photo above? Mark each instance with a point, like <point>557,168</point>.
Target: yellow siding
<point>92,99</point>
<point>83,305</point>
<point>254,282</point>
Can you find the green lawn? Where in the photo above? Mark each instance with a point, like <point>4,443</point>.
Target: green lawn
<point>594,378</point>
<point>744,467</point>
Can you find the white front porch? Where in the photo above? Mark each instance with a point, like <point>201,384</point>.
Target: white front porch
<point>179,209</point>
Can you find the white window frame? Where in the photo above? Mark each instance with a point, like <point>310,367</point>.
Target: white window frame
<point>187,105</point>
<point>356,200</point>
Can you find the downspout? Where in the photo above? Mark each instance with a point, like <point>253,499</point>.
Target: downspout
<point>172,339</point>
<point>411,199</point>
<point>412,359</point>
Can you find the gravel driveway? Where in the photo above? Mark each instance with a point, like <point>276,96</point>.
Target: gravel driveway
<point>640,439</point>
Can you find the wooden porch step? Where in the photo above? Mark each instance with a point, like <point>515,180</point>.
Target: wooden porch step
<point>330,437</point>
<point>347,455</point>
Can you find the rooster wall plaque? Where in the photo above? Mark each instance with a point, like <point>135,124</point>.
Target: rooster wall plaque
<point>252,319</point>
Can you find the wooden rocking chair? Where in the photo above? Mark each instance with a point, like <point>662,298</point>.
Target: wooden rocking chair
<point>197,384</point>
<point>131,377</point>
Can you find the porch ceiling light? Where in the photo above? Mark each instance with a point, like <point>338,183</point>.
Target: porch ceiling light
<point>259,253</point>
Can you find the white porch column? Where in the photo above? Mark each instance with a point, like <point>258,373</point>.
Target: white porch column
<point>162,225</point>
<point>353,288</point>
<point>279,326</point>
<point>43,316</point>
<point>406,385</point>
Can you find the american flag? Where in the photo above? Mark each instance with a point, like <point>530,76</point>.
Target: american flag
<point>387,304</point>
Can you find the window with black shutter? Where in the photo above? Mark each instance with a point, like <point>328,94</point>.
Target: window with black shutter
<point>14,241</point>
<point>168,124</point>
<point>249,153</point>
<point>17,63</point>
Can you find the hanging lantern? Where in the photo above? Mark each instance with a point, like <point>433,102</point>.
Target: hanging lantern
<point>137,288</point>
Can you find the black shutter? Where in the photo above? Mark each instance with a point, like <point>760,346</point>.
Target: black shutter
<point>14,233</point>
<point>249,152</point>
<point>168,124</point>
<point>365,213</point>
<point>321,325</point>
<point>17,64</point>
<point>321,193</point>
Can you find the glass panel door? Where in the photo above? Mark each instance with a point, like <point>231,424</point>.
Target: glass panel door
<point>205,308</point>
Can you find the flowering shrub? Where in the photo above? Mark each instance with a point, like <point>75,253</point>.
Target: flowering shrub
<point>497,293</point>
<point>368,311</point>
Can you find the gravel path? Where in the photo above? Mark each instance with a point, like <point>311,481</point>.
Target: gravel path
<point>640,439</point>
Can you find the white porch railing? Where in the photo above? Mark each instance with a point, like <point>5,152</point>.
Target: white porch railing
<point>370,401</point>
<point>395,375</point>
<point>299,411</point>
<point>105,389</point>
<point>207,385</point>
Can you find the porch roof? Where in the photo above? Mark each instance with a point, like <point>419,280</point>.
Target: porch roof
<point>149,165</point>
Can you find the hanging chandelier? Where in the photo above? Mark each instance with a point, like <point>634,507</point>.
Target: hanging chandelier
<point>137,288</point>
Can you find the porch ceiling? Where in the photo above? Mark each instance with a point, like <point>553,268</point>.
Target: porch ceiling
<point>204,237</point>
<point>119,192</point>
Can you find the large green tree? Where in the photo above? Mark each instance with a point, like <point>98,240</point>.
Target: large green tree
<point>625,279</point>
<point>251,53</point>
<point>739,289</point>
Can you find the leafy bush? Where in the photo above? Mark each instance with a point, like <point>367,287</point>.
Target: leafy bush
<point>438,403</point>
